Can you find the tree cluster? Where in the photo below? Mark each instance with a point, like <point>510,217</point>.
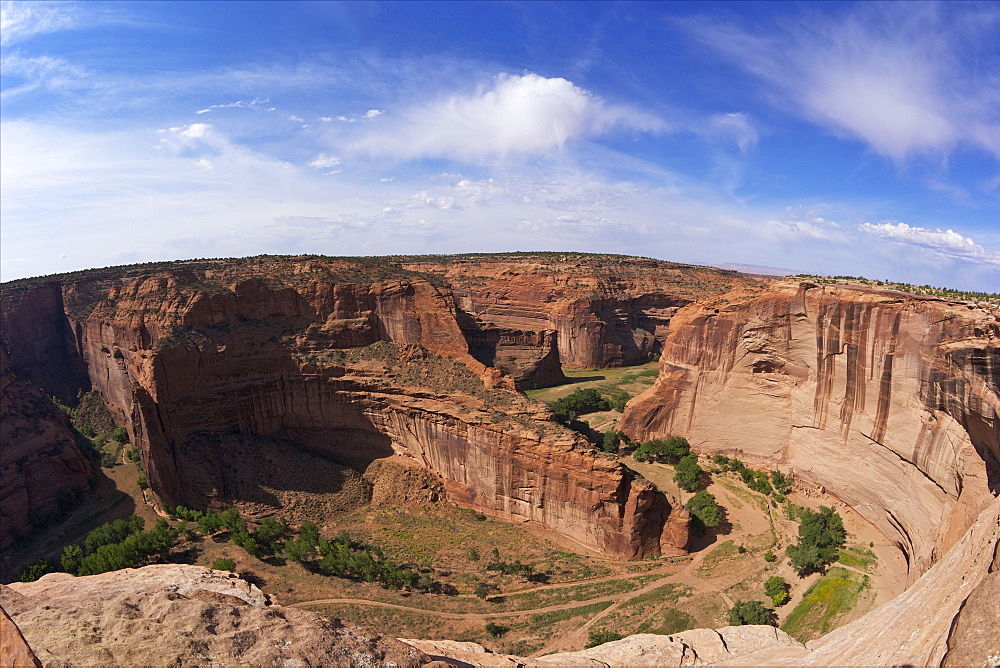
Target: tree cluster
<point>744,613</point>
<point>344,557</point>
<point>664,451</point>
<point>821,535</point>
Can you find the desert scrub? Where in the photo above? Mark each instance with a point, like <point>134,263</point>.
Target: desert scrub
<point>547,619</point>
<point>857,556</point>
<point>829,599</point>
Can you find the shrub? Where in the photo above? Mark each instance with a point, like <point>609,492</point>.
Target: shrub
<point>224,564</point>
<point>770,556</point>
<point>751,612</point>
<point>34,570</point>
<point>119,434</point>
<point>600,637</point>
<point>496,630</point>
<point>143,483</point>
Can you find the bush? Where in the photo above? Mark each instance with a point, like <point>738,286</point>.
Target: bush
<point>688,473</point>
<point>34,570</point>
<point>496,630</point>
<point>770,556</point>
<point>600,637</point>
<point>751,612</point>
<point>705,509</point>
<point>119,434</point>
<point>143,483</point>
<point>224,564</point>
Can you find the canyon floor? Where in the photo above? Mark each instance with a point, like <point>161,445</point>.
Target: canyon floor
<point>573,592</point>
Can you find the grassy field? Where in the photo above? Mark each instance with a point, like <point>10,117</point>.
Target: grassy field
<point>629,379</point>
<point>829,599</point>
<point>858,556</point>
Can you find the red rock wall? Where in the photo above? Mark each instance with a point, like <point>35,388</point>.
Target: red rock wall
<point>38,459</point>
<point>887,401</point>
<point>176,354</point>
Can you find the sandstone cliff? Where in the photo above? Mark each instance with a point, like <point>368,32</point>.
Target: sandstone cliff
<point>39,458</point>
<point>292,348</point>
<point>887,401</point>
<point>603,310</point>
<point>182,615</point>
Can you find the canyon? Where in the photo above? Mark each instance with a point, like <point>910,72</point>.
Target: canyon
<point>885,401</point>
<point>259,347</point>
<point>889,402</point>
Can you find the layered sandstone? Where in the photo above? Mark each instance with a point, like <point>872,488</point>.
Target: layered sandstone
<point>604,310</point>
<point>182,615</point>
<point>886,400</point>
<point>289,348</point>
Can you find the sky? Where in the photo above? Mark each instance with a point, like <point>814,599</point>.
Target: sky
<point>833,138</point>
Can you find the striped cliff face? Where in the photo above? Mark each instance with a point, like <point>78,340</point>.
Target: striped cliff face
<point>885,400</point>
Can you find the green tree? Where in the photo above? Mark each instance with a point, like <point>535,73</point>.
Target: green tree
<point>611,441</point>
<point>688,473</point>
<point>34,570</point>
<point>777,590</point>
<point>751,612</point>
<point>705,509</point>
<point>72,557</point>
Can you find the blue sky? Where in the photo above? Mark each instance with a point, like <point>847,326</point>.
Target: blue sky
<point>833,138</point>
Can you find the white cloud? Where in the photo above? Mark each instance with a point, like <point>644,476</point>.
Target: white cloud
<point>948,242</point>
<point>525,114</point>
<point>324,161</point>
<point>193,131</point>
<point>372,113</point>
<point>908,79</point>
<point>296,119</point>
<point>257,104</point>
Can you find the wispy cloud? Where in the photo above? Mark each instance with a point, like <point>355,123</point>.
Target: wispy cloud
<point>947,243</point>
<point>908,79</point>
<point>738,127</point>
<point>513,115</point>
<point>22,20</point>
<point>257,104</point>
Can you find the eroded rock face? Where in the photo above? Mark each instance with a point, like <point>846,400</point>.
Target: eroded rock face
<point>39,458</point>
<point>605,310</point>
<point>183,615</point>
<point>887,401</point>
<point>289,348</point>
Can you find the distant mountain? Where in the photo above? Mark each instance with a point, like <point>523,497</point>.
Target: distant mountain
<point>757,269</point>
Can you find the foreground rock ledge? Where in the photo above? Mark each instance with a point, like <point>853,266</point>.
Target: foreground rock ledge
<point>183,615</point>
<point>191,615</point>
